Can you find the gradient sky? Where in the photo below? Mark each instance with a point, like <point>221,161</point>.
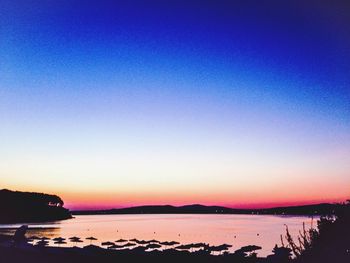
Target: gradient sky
<point>119,103</point>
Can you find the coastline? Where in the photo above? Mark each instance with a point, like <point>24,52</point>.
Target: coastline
<point>302,210</point>
<point>213,229</point>
<point>91,253</point>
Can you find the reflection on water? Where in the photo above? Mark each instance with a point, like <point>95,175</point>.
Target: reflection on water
<point>238,230</point>
<point>49,232</point>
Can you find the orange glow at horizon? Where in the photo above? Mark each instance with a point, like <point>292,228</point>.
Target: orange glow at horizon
<point>95,201</point>
<point>257,197</point>
<point>108,203</point>
<point>93,181</point>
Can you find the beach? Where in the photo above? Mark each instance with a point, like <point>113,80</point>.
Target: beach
<point>27,253</point>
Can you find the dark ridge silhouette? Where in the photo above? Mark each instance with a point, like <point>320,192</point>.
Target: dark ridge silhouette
<point>317,209</point>
<point>18,207</point>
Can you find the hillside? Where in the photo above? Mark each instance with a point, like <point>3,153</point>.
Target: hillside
<point>25,207</point>
<point>317,209</point>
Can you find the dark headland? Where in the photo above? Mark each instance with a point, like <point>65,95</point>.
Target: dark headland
<point>19,207</point>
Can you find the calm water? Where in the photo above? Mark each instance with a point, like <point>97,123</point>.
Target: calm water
<point>237,230</point>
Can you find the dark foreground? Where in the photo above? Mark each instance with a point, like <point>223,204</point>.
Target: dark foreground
<point>329,243</point>
<point>94,254</point>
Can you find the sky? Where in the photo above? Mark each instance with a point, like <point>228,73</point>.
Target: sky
<point>122,103</point>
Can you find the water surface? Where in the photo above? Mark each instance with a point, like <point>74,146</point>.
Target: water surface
<point>237,230</point>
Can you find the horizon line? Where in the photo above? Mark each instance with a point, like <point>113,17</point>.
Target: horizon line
<point>196,204</point>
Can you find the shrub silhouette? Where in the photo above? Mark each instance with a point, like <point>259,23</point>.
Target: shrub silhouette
<point>330,242</point>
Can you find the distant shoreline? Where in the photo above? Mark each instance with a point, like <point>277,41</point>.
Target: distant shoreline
<point>316,209</point>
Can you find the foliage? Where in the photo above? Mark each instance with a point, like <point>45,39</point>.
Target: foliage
<point>330,242</point>
<point>18,206</point>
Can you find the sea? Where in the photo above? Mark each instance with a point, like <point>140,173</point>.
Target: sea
<point>237,230</point>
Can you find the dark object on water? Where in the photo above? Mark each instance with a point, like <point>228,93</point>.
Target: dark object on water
<point>199,245</point>
<point>91,239</point>
<point>184,247</point>
<point>219,248</point>
<point>142,242</point>
<point>129,244</point>
<point>75,240</point>
<point>19,236</point>
<point>108,243</point>
<point>153,241</point>
<point>58,239</point>
<point>247,249</point>
<point>153,246</point>
<point>172,243</point>
<point>42,243</point>
<point>121,240</point>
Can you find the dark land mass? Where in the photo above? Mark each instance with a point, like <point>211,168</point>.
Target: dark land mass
<point>19,207</point>
<point>317,209</point>
<point>329,242</point>
<point>95,254</point>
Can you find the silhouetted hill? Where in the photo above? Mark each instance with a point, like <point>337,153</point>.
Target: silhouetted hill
<point>318,209</point>
<point>20,207</point>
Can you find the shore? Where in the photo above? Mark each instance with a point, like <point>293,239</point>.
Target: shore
<point>28,253</point>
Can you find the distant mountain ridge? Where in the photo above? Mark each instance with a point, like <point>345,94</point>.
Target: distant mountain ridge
<point>316,209</point>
